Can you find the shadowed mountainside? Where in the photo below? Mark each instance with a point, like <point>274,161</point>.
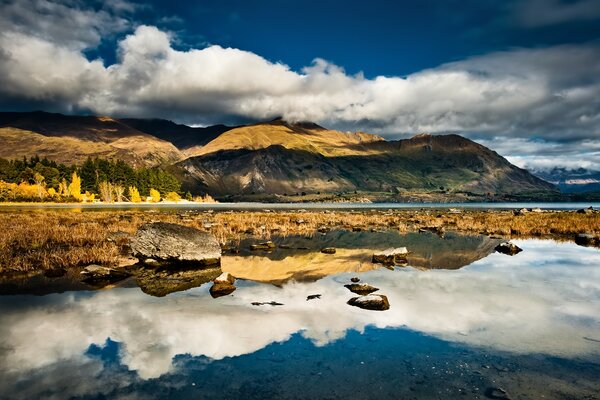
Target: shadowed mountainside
<point>72,139</point>
<point>281,158</point>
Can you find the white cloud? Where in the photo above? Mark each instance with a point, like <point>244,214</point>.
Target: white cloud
<point>551,92</point>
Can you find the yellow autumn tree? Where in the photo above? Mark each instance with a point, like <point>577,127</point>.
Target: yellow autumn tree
<point>134,195</point>
<point>155,195</point>
<point>75,187</point>
<point>173,196</point>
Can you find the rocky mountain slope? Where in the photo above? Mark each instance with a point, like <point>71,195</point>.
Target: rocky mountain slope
<point>282,158</point>
<point>71,139</point>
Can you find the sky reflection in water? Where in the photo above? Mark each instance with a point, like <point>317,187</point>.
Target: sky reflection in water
<point>546,301</point>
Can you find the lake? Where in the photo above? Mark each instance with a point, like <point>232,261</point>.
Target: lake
<point>464,322</point>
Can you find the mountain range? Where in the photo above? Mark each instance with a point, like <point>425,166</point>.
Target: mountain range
<point>279,160</point>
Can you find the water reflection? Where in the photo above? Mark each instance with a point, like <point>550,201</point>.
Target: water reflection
<point>545,300</point>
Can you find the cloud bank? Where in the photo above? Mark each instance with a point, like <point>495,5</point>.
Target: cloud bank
<point>550,93</point>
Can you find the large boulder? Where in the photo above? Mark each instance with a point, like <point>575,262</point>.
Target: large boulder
<point>377,302</point>
<point>174,244</point>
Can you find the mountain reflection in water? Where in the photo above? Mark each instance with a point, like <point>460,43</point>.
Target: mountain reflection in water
<point>545,301</point>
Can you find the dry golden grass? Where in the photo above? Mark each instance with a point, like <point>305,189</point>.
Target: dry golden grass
<point>51,239</point>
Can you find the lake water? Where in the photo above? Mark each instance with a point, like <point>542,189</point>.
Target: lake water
<point>464,322</point>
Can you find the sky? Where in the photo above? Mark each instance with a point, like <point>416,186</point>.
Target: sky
<point>522,77</point>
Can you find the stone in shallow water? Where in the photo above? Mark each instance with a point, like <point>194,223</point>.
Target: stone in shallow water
<point>99,275</point>
<point>586,239</point>
<point>328,250</point>
<point>222,285</point>
<point>508,248</point>
<point>175,244</point>
<point>266,246</point>
<point>313,297</point>
<point>376,302</point>
<point>361,289</point>
<point>391,256</point>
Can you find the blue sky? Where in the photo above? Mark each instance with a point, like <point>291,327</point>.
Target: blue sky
<point>520,76</point>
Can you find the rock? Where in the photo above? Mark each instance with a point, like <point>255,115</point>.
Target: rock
<point>323,229</point>
<point>520,212</point>
<point>219,289</point>
<point>376,302</point>
<point>438,230</point>
<point>586,239</point>
<point>265,246</point>
<point>313,297</point>
<point>391,256</point>
<point>285,246</point>
<point>176,244</point>
<point>361,288</point>
<point>222,285</point>
<point>357,229</point>
<point>98,275</point>
<point>508,248</point>
<point>328,250</point>
<point>588,210</point>
<point>496,393</point>
<point>355,279</point>
<point>267,303</point>
<point>536,210</point>
<point>127,261</point>
<point>160,282</point>
<point>454,211</point>
<point>225,277</point>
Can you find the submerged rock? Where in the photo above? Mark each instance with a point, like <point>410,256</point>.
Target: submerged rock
<point>508,248</point>
<point>99,275</point>
<point>168,243</point>
<point>376,302</point>
<point>328,250</point>
<point>223,285</point>
<point>361,288</point>
<point>266,246</point>
<point>391,256</point>
<point>355,279</point>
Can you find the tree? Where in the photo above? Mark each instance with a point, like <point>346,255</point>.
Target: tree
<point>188,196</point>
<point>173,196</point>
<point>134,195</point>
<point>106,191</point>
<point>39,183</point>
<point>119,193</point>
<point>75,187</point>
<point>155,194</point>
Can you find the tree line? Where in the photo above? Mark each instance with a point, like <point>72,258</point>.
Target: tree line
<point>37,179</point>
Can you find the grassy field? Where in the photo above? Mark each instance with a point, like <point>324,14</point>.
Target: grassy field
<point>41,240</point>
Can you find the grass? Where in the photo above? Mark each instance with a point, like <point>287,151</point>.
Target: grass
<point>41,240</point>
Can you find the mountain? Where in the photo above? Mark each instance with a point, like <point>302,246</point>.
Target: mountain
<point>185,138</point>
<point>278,160</point>
<point>579,180</point>
<point>281,158</point>
<point>71,139</point>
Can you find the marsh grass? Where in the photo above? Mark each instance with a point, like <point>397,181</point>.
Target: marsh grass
<point>43,240</point>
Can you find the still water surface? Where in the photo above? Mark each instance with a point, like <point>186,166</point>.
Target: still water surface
<point>464,322</point>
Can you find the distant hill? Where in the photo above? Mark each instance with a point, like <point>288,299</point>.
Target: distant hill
<point>71,139</point>
<point>284,158</point>
<point>579,180</point>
